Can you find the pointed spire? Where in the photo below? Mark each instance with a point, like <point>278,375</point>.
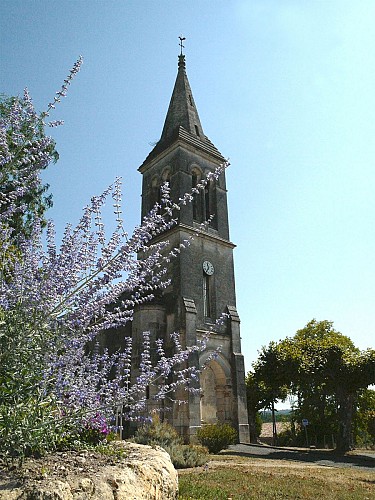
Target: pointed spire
<point>182,122</point>
<point>182,111</point>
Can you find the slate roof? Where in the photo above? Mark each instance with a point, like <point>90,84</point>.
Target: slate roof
<point>182,122</point>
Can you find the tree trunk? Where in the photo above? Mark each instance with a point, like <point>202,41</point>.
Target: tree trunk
<point>274,429</point>
<point>345,414</point>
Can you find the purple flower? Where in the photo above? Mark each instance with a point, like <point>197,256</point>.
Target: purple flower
<point>62,298</point>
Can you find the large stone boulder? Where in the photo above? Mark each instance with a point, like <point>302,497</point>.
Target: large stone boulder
<point>142,473</point>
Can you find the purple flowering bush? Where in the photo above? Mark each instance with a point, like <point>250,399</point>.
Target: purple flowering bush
<point>54,302</point>
<point>96,429</point>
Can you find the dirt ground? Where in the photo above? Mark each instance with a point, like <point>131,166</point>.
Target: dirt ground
<point>54,465</point>
<point>62,464</point>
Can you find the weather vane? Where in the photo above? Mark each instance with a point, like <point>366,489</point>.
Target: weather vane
<point>182,38</point>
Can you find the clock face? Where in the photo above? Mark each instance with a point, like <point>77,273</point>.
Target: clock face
<point>208,268</point>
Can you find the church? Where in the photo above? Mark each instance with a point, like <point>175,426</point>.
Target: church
<point>202,277</point>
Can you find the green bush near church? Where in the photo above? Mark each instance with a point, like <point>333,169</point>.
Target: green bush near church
<point>216,437</point>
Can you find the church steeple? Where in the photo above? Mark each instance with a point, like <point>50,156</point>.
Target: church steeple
<point>182,123</point>
<point>182,111</point>
<point>202,277</point>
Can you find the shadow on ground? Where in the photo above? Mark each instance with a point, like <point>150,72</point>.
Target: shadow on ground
<point>319,457</point>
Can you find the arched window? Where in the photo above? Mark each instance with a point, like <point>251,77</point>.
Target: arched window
<point>154,193</point>
<point>194,182</point>
<point>165,178</point>
<point>196,177</point>
<point>166,175</point>
<point>209,203</point>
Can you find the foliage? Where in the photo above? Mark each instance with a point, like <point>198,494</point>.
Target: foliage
<point>157,433</point>
<point>26,150</point>
<point>56,385</point>
<point>287,437</point>
<point>326,372</point>
<point>216,437</point>
<point>264,386</point>
<point>270,375</point>
<point>364,419</point>
<point>27,420</point>
<point>280,416</point>
<point>164,435</point>
<point>255,401</point>
<point>184,456</point>
<point>109,449</point>
<point>96,430</point>
<point>332,373</point>
<point>258,424</point>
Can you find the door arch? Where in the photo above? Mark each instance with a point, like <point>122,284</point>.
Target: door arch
<point>216,400</point>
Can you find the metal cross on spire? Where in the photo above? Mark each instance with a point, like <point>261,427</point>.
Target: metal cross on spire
<point>182,38</point>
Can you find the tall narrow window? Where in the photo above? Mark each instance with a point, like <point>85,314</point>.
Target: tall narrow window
<point>209,205</point>
<point>166,175</point>
<point>155,193</point>
<point>207,201</point>
<point>207,310</point>
<point>197,130</point>
<point>198,208</point>
<point>166,179</point>
<point>194,182</point>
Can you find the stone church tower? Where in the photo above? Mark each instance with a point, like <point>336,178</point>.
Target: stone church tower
<point>202,277</point>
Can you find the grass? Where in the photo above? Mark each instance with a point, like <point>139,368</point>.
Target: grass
<point>240,478</point>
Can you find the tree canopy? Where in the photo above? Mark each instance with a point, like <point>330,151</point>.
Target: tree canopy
<point>25,150</point>
<point>325,371</point>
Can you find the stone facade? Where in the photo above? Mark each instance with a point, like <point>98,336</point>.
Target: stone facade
<point>202,277</point>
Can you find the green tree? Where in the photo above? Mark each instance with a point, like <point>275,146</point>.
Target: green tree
<point>265,385</point>
<point>331,372</point>
<point>255,403</point>
<point>25,150</point>
<point>364,419</point>
<point>327,373</point>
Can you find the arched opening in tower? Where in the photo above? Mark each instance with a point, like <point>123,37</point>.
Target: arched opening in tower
<point>215,399</point>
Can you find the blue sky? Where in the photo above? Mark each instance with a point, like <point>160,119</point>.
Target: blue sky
<point>284,89</point>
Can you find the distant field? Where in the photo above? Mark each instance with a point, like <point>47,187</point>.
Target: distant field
<point>266,434</point>
<point>267,428</point>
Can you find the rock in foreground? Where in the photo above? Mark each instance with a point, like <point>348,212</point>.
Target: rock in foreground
<point>143,473</point>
